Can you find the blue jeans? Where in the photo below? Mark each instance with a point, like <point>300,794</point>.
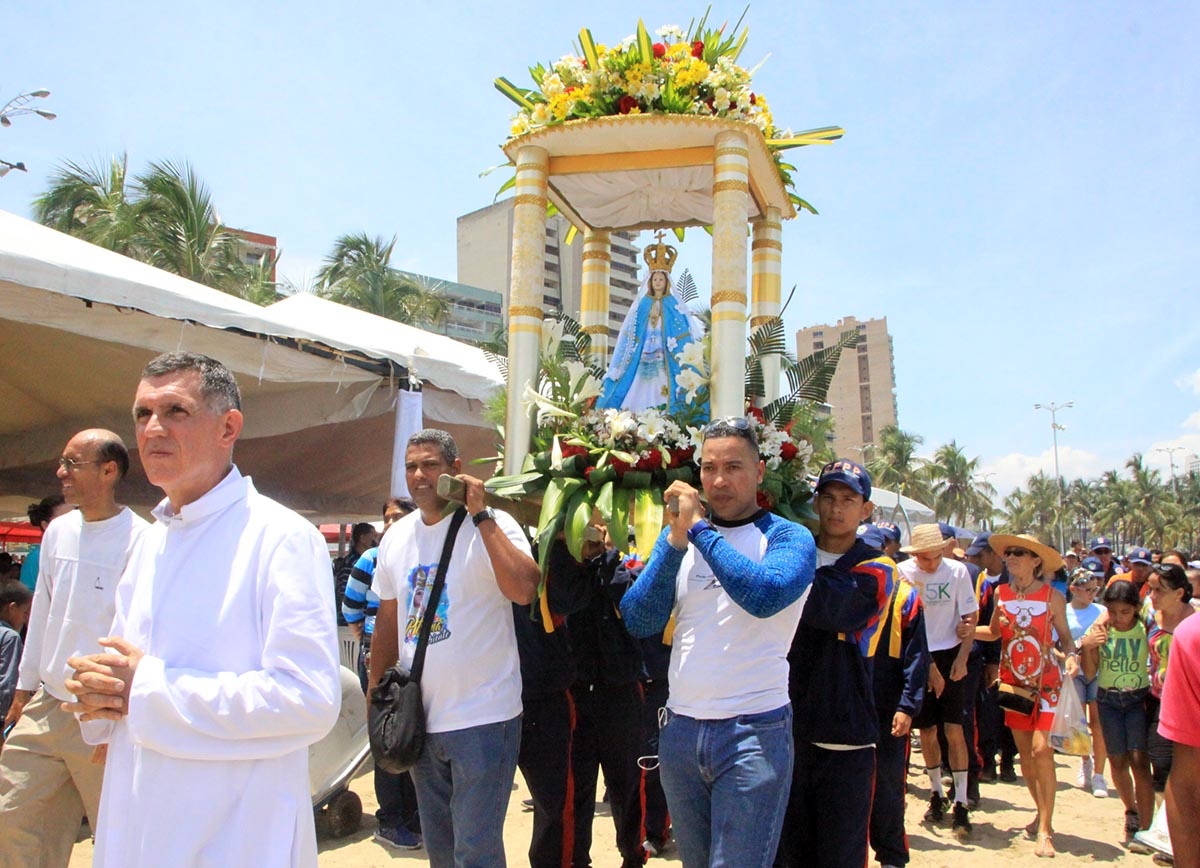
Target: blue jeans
<point>1123,719</point>
<point>727,784</point>
<point>464,778</point>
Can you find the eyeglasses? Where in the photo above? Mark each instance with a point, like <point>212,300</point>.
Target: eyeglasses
<point>1086,589</point>
<point>71,465</point>
<point>1017,553</point>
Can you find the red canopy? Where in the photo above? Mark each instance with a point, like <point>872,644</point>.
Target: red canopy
<point>19,532</point>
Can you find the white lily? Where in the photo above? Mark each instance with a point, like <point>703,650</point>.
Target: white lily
<point>693,357</point>
<point>552,335</point>
<point>583,384</point>
<point>546,408</point>
<point>691,381</point>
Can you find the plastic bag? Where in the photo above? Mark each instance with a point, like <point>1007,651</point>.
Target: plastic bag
<point>1070,734</point>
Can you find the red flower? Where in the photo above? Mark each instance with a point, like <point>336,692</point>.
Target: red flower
<point>653,461</point>
<point>680,457</point>
<point>587,472</point>
<point>788,450</point>
<point>757,413</point>
<point>571,87</point>
<point>660,50</point>
<point>764,500</point>
<point>570,449</point>
<point>626,104</point>
<point>753,101</point>
<point>698,49</point>
<point>619,466</point>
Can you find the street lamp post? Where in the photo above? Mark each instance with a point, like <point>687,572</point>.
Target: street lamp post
<point>1171,450</point>
<point>1055,428</point>
<point>21,104</point>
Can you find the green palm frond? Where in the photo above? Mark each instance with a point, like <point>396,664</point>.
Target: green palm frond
<point>686,288</point>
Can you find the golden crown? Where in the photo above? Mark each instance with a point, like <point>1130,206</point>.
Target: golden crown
<point>660,257</point>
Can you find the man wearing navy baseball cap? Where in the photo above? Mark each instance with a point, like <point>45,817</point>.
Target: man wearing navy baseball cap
<point>891,541</point>
<point>1101,548</point>
<point>835,727</point>
<point>987,728</point>
<point>1139,569</point>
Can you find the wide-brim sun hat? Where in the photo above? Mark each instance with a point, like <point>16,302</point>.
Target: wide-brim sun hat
<point>1051,560</point>
<point>925,538</point>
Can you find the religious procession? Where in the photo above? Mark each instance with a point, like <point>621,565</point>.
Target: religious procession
<point>609,591</point>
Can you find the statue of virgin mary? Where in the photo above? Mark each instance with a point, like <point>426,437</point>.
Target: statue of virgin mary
<point>644,371</point>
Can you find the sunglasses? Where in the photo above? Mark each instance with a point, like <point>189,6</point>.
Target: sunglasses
<point>738,423</point>
<point>1017,553</point>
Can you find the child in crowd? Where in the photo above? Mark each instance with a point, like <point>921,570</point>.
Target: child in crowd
<point>15,602</point>
<point>1082,613</point>
<point>1117,655</point>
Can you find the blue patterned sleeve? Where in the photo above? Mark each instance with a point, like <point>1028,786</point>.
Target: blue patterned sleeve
<point>764,587</point>
<point>647,605</point>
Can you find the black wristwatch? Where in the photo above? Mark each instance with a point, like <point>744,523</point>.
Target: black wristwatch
<point>485,514</point>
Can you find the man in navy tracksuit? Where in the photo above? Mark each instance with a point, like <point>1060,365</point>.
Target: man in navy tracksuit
<point>901,671</point>
<point>831,680</point>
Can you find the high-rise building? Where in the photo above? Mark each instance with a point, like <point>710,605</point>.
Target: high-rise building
<point>472,313</point>
<point>485,260</point>
<point>253,246</point>
<point>862,396</point>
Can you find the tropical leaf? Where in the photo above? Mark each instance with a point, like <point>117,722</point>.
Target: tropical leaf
<point>686,288</point>
<point>645,46</point>
<point>588,47</point>
<point>809,377</point>
<point>519,95</point>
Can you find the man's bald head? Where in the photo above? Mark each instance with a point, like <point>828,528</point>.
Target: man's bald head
<point>107,446</point>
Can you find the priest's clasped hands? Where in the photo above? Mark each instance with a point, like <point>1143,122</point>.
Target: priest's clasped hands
<point>101,682</point>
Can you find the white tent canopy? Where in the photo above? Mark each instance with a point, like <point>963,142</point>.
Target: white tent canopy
<point>78,323</point>
<point>904,512</point>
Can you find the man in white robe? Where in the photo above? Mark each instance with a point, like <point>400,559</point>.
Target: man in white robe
<point>222,665</point>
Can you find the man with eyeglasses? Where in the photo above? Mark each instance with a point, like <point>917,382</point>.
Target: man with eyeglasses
<point>48,782</point>
<point>732,582</point>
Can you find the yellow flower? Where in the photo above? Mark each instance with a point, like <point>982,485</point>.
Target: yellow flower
<point>691,73</point>
<point>560,104</point>
<point>678,50</point>
<point>520,125</point>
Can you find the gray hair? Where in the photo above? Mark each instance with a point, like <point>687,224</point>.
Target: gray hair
<point>439,438</point>
<point>218,388</point>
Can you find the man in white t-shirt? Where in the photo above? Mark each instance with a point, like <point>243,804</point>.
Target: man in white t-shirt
<point>949,599</point>
<point>47,779</point>
<point>471,684</point>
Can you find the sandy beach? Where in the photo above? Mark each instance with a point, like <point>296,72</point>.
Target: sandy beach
<point>1088,830</point>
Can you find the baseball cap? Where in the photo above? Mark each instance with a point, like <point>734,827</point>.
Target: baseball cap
<point>848,473</point>
<point>948,530</point>
<point>1139,556</point>
<point>872,535</point>
<point>889,530</point>
<point>1093,566</point>
<point>979,543</point>
<point>1070,553</point>
<point>1101,542</point>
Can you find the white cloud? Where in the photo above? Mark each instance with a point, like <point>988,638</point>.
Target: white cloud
<point>1190,381</point>
<point>1012,470</point>
<point>1192,422</point>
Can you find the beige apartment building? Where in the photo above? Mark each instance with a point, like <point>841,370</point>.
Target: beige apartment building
<point>862,396</point>
<point>485,260</point>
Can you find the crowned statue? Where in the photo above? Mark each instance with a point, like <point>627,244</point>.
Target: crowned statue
<point>645,367</point>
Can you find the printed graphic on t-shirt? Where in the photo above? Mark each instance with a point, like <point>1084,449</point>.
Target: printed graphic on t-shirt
<point>936,593</point>
<point>1126,661</point>
<point>702,578</point>
<point>420,580</point>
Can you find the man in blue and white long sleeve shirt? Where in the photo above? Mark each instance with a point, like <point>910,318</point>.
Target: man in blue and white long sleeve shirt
<point>732,585</point>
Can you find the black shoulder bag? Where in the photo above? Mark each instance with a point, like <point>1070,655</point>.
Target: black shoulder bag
<point>395,714</point>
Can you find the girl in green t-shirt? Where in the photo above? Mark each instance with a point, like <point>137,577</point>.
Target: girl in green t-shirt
<point>1116,653</point>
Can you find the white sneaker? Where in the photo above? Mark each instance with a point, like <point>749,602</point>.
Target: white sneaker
<point>1085,773</point>
<point>1099,787</point>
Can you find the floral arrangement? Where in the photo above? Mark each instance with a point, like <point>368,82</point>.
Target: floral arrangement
<point>618,462</point>
<point>685,73</point>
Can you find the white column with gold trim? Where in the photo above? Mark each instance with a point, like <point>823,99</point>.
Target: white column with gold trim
<point>731,203</point>
<point>525,300</point>
<point>766,288</point>
<point>594,297</point>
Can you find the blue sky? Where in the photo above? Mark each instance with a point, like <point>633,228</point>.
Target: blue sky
<point>1017,189</point>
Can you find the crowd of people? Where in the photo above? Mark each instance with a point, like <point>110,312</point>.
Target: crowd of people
<point>747,691</point>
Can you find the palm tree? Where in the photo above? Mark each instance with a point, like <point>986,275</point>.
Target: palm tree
<point>957,494</point>
<point>894,464</point>
<point>1018,512</point>
<point>358,273</point>
<point>183,232</point>
<point>99,204</point>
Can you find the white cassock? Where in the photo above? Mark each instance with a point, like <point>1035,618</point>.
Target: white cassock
<point>231,599</point>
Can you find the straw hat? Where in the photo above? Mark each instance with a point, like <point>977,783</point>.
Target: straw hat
<point>1051,559</point>
<point>925,538</point>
